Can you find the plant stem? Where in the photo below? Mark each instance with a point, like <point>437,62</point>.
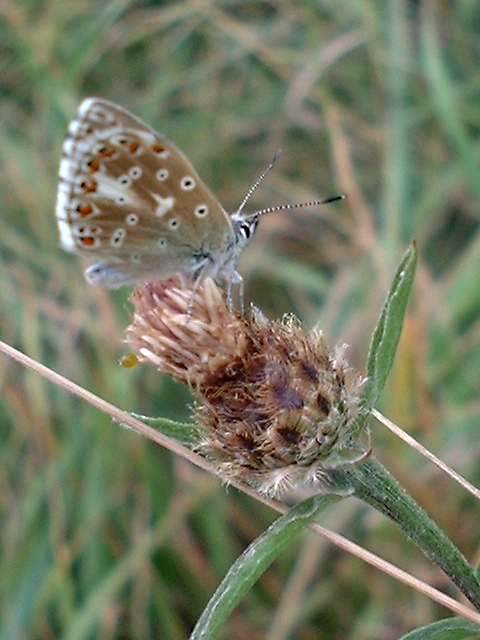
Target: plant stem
<point>377,487</point>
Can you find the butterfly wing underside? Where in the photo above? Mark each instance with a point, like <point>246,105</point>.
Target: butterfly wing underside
<point>129,197</point>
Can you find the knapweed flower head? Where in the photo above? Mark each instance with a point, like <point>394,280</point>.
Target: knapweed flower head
<point>275,405</point>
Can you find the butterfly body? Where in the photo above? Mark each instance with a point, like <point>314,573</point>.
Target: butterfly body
<point>128,196</point>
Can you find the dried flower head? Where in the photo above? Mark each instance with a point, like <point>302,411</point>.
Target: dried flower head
<point>275,404</point>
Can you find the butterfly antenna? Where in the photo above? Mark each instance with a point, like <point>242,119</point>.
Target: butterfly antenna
<point>258,181</point>
<point>296,205</point>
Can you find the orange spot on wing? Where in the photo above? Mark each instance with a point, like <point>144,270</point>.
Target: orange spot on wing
<point>93,165</point>
<point>106,152</point>
<point>89,186</point>
<point>134,146</point>
<point>84,209</point>
<point>89,241</point>
<point>158,148</point>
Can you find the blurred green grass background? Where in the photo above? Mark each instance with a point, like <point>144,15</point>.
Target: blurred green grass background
<point>106,536</point>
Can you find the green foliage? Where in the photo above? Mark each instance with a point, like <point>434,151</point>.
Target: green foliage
<point>375,99</point>
<point>385,338</point>
<point>253,562</point>
<point>448,629</point>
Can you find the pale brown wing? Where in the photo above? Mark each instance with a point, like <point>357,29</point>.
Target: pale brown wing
<point>129,195</point>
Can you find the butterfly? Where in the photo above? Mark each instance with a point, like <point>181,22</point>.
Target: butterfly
<point>129,198</point>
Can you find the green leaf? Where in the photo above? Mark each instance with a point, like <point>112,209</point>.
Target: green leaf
<point>186,433</point>
<point>258,556</point>
<point>449,629</point>
<point>373,484</point>
<point>383,345</point>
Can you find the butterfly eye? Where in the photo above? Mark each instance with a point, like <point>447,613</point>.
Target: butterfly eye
<point>246,231</point>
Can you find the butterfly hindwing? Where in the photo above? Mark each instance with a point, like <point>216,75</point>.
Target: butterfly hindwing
<point>128,196</point>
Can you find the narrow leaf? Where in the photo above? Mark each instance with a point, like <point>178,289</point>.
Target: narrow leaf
<point>186,433</point>
<point>386,336</point>
<point>449,629</point>
<point>254,561</point>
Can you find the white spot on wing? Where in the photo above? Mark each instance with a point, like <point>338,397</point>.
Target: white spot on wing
<point>85,106</point>
<point>75,127</point>
<point>109,187</point>
<point>66,236</point>
<point>62,203</point>
<point>82,146</point>
<point>135,173</point>
<point>187,183</point>
<point>164,204</point>
<point>68,146</point>
<point>65,188</point>
<point>117,237</point>
<point>124,180</point>
<point>162,174</point>
<point>67,170</point>
<point>132,219</point>
<point>201,210</point>
<point>85,230</point>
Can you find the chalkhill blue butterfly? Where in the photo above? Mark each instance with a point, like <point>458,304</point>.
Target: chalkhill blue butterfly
<point>130,200</point>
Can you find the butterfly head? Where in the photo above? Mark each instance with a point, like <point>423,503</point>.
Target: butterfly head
<point>244,228</point>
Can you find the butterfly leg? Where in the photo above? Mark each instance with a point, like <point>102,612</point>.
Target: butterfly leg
<point>235,281</point>
<point>197,278</point>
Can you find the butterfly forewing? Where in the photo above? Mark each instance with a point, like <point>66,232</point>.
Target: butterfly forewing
<point>127,195</point>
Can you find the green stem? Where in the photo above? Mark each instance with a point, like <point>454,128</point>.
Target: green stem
<point>258,556</point>
<point>374,485</point>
